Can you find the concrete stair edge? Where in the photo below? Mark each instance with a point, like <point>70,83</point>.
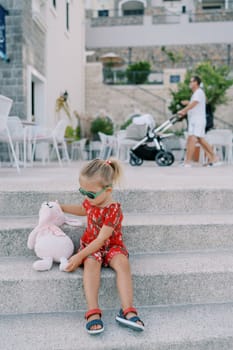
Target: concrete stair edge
<point>188,327</point>
<point>160,233</point>
<point>169,279</point>
<point>154,201</point>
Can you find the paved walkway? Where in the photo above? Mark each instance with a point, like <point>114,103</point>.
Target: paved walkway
<point>147,176</point>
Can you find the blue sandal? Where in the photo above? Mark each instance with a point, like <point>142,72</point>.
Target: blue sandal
<point>92,323</point>
<point>130,322</point>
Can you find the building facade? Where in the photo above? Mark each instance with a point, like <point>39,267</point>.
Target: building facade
<point>189,31</point>
<point>45,45</point>
<point>138,29</point>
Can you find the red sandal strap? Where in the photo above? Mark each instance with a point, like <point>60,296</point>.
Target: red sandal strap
<point>130,309</point>
<point>93,312</point>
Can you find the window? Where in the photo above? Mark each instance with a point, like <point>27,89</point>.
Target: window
<point>133,8</point>
<point>213,4</point>
<point>103,13</point>
<point>67,15</point>
<point>136,12</point>
<point>213,7</point>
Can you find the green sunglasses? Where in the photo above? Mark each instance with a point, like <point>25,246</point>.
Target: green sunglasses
<point>92,195</point>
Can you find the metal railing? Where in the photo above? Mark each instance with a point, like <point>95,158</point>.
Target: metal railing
<point>116,76</point>
<point>121,77</point>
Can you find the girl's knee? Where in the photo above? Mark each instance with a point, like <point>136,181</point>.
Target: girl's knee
<point>91,263</point>
<point>119,262</point>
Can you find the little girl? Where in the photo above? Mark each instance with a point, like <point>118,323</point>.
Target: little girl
<point>102,244</point>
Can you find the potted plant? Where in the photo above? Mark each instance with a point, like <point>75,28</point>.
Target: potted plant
<point>102,124</point>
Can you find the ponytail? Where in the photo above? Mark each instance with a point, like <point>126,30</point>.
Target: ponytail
<point>106,172</point>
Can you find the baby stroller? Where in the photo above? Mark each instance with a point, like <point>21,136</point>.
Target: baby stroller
<point>151,146</point>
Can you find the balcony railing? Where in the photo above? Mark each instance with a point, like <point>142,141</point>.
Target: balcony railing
<point>109,18</point>
<point>212,16</point>
<point>166,18</point>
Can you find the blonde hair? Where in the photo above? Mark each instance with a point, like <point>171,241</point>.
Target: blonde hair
<point>105,172</point>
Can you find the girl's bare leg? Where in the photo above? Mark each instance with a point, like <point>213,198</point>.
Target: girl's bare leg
<point>91,282</point>
<point>120,264</point>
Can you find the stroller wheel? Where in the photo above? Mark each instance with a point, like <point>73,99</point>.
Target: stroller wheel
<point>164,158</point>
<point>134,160</point>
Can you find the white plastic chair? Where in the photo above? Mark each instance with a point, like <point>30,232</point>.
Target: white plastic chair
<point>55,136</point>
<point>5,136</point>
<point>108,145</point>
<point>19,137</point>
<point>79,147</point>
<point>221,140</point>
<point>123,146</point>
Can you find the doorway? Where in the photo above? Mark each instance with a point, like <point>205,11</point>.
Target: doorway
<point>36,99</point>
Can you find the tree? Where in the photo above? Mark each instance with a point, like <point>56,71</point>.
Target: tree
<point>172,56</point>
<point>215,81</point>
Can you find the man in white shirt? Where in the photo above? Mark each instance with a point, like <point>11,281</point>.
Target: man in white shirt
<point>196,110</point>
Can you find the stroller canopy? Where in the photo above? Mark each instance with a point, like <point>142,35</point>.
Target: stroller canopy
<point>145,119</point>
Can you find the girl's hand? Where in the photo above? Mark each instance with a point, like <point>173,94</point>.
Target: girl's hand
<point>74,262</point>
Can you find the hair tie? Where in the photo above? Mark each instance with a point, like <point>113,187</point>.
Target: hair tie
<point>108,162</point>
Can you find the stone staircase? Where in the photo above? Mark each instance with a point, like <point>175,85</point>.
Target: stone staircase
<point>181,252</point>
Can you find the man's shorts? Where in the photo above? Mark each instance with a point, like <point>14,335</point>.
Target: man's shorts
<point>196,128</point>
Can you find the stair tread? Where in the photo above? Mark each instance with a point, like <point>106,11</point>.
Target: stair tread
<point>176,327</point>
<point>14,268</point>
<point>131,219</point>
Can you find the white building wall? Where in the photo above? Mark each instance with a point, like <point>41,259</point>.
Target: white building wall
<point>184,33</point>
<point>65,56</point>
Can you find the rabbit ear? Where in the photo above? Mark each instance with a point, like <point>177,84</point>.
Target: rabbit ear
<point>72,222</point>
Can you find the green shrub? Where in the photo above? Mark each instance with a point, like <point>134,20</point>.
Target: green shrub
<point>137,73</point>
<point>72,133</point>
<point>102,124</point>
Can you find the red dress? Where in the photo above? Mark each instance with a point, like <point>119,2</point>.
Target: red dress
<point>97,217</point>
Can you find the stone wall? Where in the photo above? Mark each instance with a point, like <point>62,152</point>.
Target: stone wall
<point>25,45</point>
<point>188,55</point>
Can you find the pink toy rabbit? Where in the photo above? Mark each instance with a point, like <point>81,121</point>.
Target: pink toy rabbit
<point>49,242</point>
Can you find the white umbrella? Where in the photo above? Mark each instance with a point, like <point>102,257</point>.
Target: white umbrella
<point>111,58</point>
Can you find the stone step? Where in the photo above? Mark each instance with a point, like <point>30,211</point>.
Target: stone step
<point>132,200</point>
<point>159,279</point>
<point>190,327</point>
<point>142,233</point>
